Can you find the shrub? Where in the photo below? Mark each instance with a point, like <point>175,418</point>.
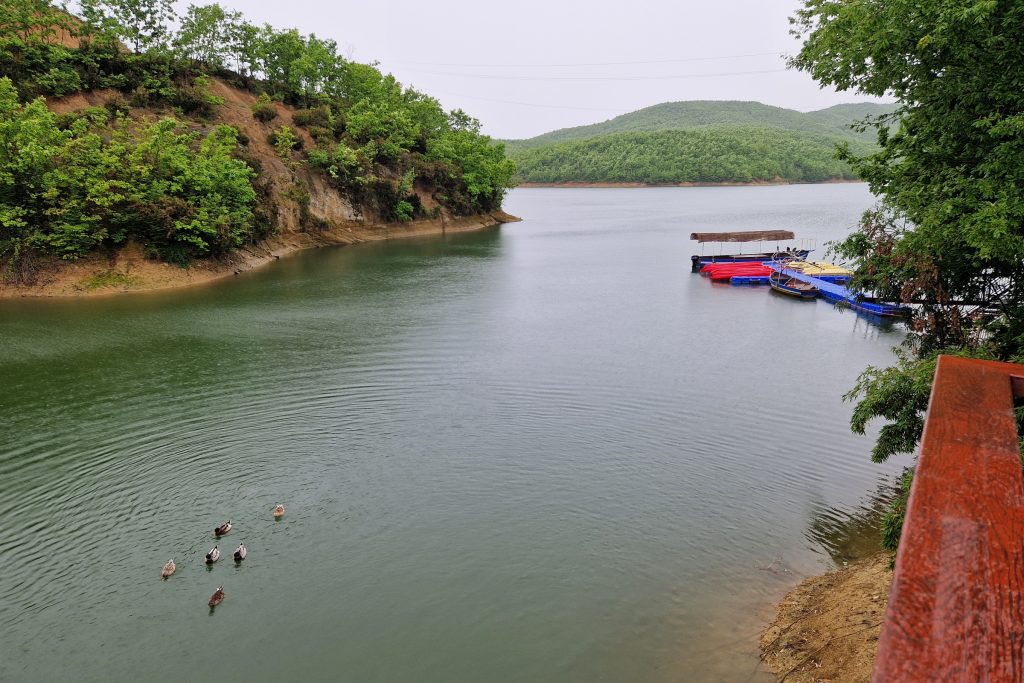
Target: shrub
<point>284,139</point>
<point>59,81</point>
<point>117,105</point>
<point>404,211</point>
<point>317,116</point>
<point>196,99</point>
<point>139,97</point>
<point>264,109</point>
<point>340,162</point>
<point>340,125</point>
<point>323,136</point>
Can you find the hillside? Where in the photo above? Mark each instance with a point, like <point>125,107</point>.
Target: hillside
<point>711,155</point>
<point>139,155</point>
<point>699,142</point>
<point>705,114</point>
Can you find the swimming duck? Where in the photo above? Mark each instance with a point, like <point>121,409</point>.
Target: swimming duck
<point>223,528</point>
<point>213,555</point>
<point>278,511</point>
<point>217,597</point>
<point>240,553</point>
<point>168,569</point>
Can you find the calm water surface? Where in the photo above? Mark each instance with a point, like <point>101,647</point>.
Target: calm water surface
<point>541,452</point>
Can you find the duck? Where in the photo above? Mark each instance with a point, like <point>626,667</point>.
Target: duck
<point>168,569</point>
<point>240,553</point>
<point>222,529</point>
<point>213,555</point>
<point>217,597</point>
<point>278,511</point>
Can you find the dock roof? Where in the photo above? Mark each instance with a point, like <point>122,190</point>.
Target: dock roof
<point>748,236</point>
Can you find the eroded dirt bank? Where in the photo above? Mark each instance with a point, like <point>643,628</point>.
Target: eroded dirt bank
<point>827,628</point>
<point>307,211</point>
<point>128,269</point>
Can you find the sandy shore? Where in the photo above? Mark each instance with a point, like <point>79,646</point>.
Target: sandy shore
<point>760,183</point>
<point>129,271</point>
<point>827,628</point>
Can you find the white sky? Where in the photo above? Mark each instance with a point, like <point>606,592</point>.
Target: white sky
<point>529,66</point>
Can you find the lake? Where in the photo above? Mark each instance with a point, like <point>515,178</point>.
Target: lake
<point>541,452</point>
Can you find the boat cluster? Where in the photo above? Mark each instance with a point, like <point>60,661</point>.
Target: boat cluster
<point>214,555</point>
<point>788,275</point>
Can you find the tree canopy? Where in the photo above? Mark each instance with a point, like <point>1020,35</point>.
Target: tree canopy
<point>710,155</point>
<point>951,175</point>
<point>377,141</point>
<point>948,233</point>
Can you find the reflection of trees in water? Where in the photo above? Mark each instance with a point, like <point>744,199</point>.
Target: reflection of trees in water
<point>850,534</point>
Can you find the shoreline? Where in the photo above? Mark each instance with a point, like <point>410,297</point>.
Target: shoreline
<point>827,626</point>
<point>753,183</point>
<point>128,270</point>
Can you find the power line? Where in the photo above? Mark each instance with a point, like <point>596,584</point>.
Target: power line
<point>599,78</point>
<point>654,61</point>
<point>530,104</point>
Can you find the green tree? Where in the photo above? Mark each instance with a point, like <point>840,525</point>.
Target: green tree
<point>951,175</point>
<point>208,34</point>
<point>315,70</point>
<point>33,21</point>
<point>948,233</point>
<point>277,53</point>
<point>69,187</point>
<point>285,141</point>
<point>142,24</point>
<point>383,132</point>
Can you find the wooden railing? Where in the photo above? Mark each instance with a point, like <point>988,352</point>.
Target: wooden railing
<point>956,608</point>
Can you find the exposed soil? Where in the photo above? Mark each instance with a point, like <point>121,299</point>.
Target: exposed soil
<point>129,270</point>
<point>827,628</point>
<point>329,218</point>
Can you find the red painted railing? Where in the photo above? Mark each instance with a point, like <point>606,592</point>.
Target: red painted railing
<point>956,609</point>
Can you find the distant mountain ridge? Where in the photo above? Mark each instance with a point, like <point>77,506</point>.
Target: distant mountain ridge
<point>701,141</point>
<point>693,114</point>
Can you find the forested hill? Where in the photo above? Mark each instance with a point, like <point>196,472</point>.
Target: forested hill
<point>188,137</point>
<point>701,142</point>
<point>708,114</point>
<point>710,155</point>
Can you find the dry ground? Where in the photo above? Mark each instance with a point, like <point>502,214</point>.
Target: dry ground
<point>827,627</point>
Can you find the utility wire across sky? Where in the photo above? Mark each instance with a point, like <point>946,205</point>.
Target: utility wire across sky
<point>499,77</point>
<point>588,64</point>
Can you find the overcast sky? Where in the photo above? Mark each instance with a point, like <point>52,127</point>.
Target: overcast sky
<point>524,67</point>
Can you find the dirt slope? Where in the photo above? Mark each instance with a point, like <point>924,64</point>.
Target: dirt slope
<point>336,221</point>
<point>827,628</point>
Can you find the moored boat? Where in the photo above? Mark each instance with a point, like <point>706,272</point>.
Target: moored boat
<point>699,260</point>
<point>829,272</point>
<point>785,284</point>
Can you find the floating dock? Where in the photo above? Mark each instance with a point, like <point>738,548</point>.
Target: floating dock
<point>837,293</point>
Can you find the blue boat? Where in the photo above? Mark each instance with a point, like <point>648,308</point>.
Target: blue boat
<point>790,286</point>
<point>843,296</point>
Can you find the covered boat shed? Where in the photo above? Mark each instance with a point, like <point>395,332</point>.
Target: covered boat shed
<point>748,236</point>
<point>741,236</point>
